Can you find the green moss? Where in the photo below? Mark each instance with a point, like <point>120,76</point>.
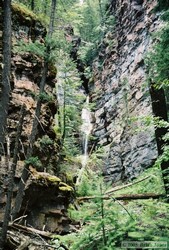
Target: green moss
<point>69,177</point>
<point>52,70</point>
<point>64,187</point>
<point>54,179</point>
<point>68,188</point>
<point>24,13</point>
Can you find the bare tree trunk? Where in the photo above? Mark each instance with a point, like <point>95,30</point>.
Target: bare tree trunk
<point>6,66</point>
<point>25,173</point>
<point>160,110</point>
<point>11,181</point>
<point>103,217</point>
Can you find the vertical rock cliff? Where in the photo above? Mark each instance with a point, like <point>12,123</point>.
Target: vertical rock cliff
<point>121,91</point>
<point>46,197</point>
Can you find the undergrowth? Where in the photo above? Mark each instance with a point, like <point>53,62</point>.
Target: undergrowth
<point>106,223</point>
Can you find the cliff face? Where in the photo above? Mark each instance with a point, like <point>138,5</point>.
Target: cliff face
<point>121,92</point>
<point>26,72</point>
<point>46,196</point>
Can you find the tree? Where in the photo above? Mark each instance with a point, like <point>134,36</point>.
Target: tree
<point>158,66</point>
<point>6,66</point>
<point>32,5</point>
<point>11,180</point>
<point>160,110</point>
<point>25,173</point>
<point>163,4</point>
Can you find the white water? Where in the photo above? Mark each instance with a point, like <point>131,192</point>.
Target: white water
<point>86,129</point>
<point>81,2</point>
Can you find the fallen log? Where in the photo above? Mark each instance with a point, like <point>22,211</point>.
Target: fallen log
<point>138,196</point>
<point>123,197</point>
<point>31,230</point>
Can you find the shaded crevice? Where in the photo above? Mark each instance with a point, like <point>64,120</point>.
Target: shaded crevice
<point>76,41</point>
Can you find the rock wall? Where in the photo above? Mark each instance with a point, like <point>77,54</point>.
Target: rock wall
<point>46,197</point>
<point>26,72</point>
<point>121,91</point>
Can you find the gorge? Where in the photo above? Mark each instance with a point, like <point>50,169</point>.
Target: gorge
<point>99,101</point>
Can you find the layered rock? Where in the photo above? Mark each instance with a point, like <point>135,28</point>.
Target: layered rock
<point>46,197</point>
<point>121,91</point>
<point>26,76</point>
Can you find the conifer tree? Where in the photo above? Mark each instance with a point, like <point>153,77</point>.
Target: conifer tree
<point>6,65</point>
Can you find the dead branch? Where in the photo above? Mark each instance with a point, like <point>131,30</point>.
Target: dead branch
<point>125,186</point>
<point>31,230</point>
<point>25,244</point>
<point>21,217</point>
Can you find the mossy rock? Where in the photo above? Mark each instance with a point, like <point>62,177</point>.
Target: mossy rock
<point>64,187</point>
<point>52,70</point>
<point>25,14</point>
<point>50,179</point>
<point>68,188</point>
<point>23,11</point>
<point>53,179</point>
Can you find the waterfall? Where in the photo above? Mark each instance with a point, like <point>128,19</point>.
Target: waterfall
<point>86,129</point>
<point>81,2</point>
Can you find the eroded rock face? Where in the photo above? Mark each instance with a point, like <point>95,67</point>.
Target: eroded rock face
<point>25,81</point>
<point>121,91</point>
<point>45,201</point>
<point>46,209</point>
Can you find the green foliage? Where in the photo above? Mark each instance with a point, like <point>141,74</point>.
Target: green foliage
<point>55,44</point>
<point>58,45</point>
<point>158,59</point>
<point>91,23</point>
<point>68,118</point>
<point>36,48</point>
<point>22,10</point>
<point>163,4</point>
<point>33,161</point>
<point>45,147</point>
<point>89,185</point>
<point>45,141</point>
<point>147,122</point>
<point>145,220</point>
<point>153,183</point>
<point>44,97</point>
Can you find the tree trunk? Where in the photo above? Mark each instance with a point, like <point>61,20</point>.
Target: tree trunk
<point>11,181</point>
<point>103,216</point>
<point>45,4</point>
<point>160,110</point>
<point>6,66</point>
<point>25,173</point>
<point>32,5</point>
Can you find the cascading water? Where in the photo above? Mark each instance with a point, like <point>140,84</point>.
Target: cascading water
<point>81,2</point>
<point>86,129</point>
